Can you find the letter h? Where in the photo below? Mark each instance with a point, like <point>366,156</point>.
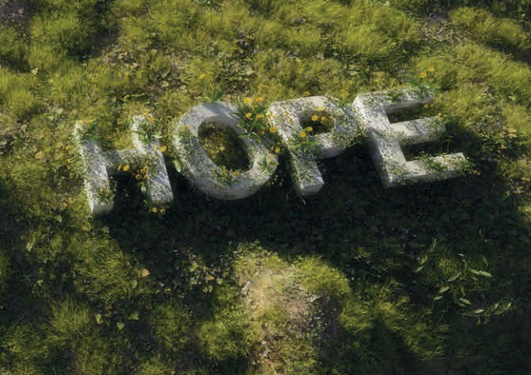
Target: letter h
<point>100,164</point>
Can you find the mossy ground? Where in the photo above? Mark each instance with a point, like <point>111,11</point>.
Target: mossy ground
<point>416,280</point>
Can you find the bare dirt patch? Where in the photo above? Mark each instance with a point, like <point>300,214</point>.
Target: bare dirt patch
<point>15,12</point>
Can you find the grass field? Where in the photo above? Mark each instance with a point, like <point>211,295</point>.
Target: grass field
<point>429,279</point>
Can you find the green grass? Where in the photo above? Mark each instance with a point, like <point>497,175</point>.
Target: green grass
<point>356,279</point>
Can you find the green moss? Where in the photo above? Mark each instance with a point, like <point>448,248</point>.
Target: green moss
<point>154,366</point>
<point>351,283</point>
<point>485,28</point>
<point>223,147</point>
<point>110,276</point>
<point>24,343</point>
<point>4,269</point>
<point>12,50</point>
<point>171,326</point>
<point>62,32</point>
<point>69,321</point>
<point>230,332</point>
<point>320,279</point>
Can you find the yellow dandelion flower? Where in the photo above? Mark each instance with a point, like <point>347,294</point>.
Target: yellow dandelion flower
<point>320,109</point>
<point>323,118</point>
<point>309,129</point>
<point>259,116</point>
<point>162,210</point>
<point>154,209</point>
<point>138,177</point>
<point>163,148</point>
<point>306,93</point>
<point>302,134</point>
<point>423,75</point>
<point>315,118</point>
<point>259,100</point>
<point>273,129</point>
<point>277,150</point>
<point>248,101</point>
<point>126,168</point>
<point>430,69</point>
<point>248,115</point>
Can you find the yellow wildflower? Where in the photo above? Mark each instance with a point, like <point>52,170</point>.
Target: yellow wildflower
<point>126,168</point>
<point>163,148</point>
<point>309,129</point>
<point>138,177</point>
<point>259,116</point>
<point>423,74</point>
<point>302,134</point>
<point>426,106</point>
<point>247,101</point>
<point>306,93</point>
<point>184,128</point>
<point>259,100</point>
<point>273,129</point>
<point>323,118</point>
<point>277,150</point>
<point>320,109</point>
<point>315,118</point>
<point>162,210</point>
<point>154,209</point>
<point>248,115</point>
<point>430,69</point>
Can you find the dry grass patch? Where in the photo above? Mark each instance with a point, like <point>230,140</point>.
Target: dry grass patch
<point>285,313</point>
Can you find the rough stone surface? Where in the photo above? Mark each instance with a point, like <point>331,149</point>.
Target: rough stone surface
<point>202,172</point>
<point>304,171</point>
<point>101,164</point>
<point>386,140</point>
<point>287,117</point>
<point>367,117</point>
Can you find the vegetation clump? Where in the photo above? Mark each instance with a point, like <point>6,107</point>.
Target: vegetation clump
<point>428,279</point>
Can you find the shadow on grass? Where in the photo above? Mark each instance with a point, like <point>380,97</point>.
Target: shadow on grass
<point>16,301</point>
<point>361,228</point>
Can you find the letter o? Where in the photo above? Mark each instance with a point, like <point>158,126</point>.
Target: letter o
<point>201,171</point>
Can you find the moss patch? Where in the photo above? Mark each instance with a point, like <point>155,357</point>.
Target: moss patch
<point>223,147</point>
